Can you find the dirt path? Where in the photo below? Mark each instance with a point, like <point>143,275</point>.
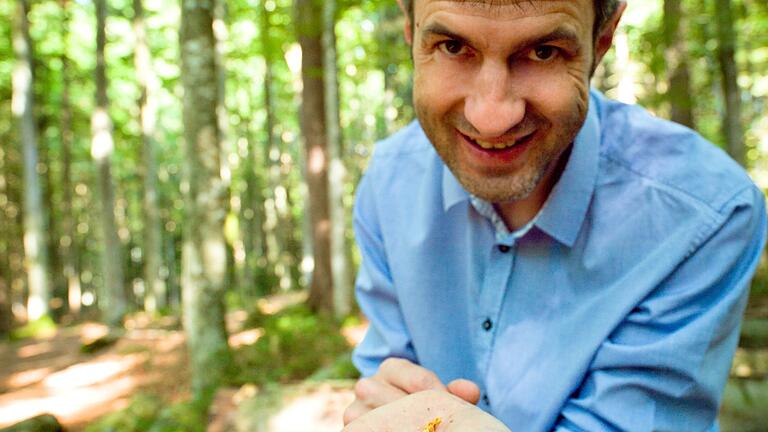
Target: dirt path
<point>51,375</point>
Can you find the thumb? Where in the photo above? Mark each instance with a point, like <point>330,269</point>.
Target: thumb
<point>465,389</point>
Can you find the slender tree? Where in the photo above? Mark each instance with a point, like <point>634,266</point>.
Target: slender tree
<point>35,248</point>
<point>6,315</point>
<point>309,28</point>
<point>277,225</point>
<point>726,53</point>
<point>68,236</point>
<point>155,294</point>
<point>204,259</point>
<point>676,56</point>
<point>112,300</point>
<point>342,284</point>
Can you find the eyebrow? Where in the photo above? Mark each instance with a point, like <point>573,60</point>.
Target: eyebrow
<point>559,34</point>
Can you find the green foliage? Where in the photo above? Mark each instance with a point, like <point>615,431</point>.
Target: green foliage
<point>760,280</point>
<point>745,403</point>
<point>142,411</point>
<point>33,329</point>
<point>295,344</point>
<point>148,413</point>
<point>188,416</point>
<point>754,333</point>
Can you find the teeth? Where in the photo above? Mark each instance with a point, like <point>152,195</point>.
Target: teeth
<point>488,146</point>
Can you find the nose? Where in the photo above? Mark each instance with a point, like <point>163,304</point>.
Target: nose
<point>492,105</point>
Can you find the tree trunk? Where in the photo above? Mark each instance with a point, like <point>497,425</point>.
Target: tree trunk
<point>726,53</point>
<point>342,284</point>
<point>277,220</point>
<point>36,256</point>
<point>112,301</point>
<point>68,234</point>
<point>155,291</point>
<point>309,25</point>
<point>676,56</point>
<point>204,249</point>
<point>6,313</point>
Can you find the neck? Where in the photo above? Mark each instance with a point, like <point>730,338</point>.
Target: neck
<point>517,213</point>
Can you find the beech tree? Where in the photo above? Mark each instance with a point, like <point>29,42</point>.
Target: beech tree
<point>204,259</point>
<point>35,247</point>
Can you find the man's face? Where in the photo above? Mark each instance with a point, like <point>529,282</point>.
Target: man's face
<point>502,90</point>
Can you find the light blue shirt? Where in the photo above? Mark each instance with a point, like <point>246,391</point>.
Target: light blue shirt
<point>617,308</point>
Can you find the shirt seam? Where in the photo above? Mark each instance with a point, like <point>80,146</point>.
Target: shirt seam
<point>718,210</point>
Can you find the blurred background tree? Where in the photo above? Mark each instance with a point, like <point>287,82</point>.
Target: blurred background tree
<point>205,153</point>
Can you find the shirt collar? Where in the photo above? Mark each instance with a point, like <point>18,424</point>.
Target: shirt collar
<point>564,211</point>
<point>566,207</point>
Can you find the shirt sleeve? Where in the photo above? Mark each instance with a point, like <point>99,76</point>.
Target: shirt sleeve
<point>387,334</point>
<point>665,366</point>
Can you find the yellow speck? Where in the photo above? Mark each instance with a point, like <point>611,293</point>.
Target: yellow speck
<point>432,426</point>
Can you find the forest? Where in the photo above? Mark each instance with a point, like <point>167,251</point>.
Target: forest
<point>177,181</point>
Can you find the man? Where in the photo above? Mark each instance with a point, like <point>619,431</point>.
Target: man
<point>564,261</point>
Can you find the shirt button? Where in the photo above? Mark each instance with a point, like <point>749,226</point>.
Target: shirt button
<point>504,248</point>
<point>486,400</point>
<point>487,324</point>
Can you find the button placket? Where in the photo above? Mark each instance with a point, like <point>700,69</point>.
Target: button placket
<point>490,299</point>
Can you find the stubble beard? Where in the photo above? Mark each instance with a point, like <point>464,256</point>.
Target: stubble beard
<point>501,187</point>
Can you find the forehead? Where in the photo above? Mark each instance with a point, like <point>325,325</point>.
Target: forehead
<point>504,8</point>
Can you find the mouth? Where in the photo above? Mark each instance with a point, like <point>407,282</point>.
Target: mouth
<point>499,145</point>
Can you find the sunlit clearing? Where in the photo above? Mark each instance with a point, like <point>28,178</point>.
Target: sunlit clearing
<point>313,412</point>
<point>34,349</point>
<point>87,374</point>
<point>247,337</point>
<point>63,403</point>
<point>276,303</point>
<point>27,377</point>
<point>89,332</point>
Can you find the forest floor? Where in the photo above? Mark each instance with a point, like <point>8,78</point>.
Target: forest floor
<point>50,374</point>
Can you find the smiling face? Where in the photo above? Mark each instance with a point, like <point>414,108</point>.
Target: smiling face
<point>501,89</point>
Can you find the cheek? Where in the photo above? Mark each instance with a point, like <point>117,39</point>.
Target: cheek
<point>559,93</point>
<point>436,88</point>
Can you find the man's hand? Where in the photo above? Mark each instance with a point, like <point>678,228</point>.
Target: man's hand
<point>417,411</point>
<point>398,378</point>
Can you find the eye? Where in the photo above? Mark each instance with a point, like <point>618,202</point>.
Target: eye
<point>453,47</point>
<point>543,53</point>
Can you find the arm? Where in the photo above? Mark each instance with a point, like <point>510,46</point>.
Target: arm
<point>387,335</point>
<point>665,366</point>
<point>386,357</point>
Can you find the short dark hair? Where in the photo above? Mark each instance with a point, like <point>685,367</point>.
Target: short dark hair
<point>603,10</point>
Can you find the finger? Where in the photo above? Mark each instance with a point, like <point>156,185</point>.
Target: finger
<point>354,411</point>
<point>374,392</point>
<point>408,377</point>
<point>465,389</point>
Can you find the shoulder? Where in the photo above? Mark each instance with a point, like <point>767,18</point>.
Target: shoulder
<point>668,158</point>
<point>405,155</point>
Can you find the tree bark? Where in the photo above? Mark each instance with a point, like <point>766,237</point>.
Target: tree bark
<point>204,249</point>
<point>726,38</point>
<point>112,301</point>
<point>676,56</point>
<point>35,247</point>
<point>6,313</point>
<point>68,233</point>
<point>309,25</point>
<point>155,296</point>
<point>342,283</point>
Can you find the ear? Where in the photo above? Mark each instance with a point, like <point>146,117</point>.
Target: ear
<point>408,26</point>
<point>605,38</point>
